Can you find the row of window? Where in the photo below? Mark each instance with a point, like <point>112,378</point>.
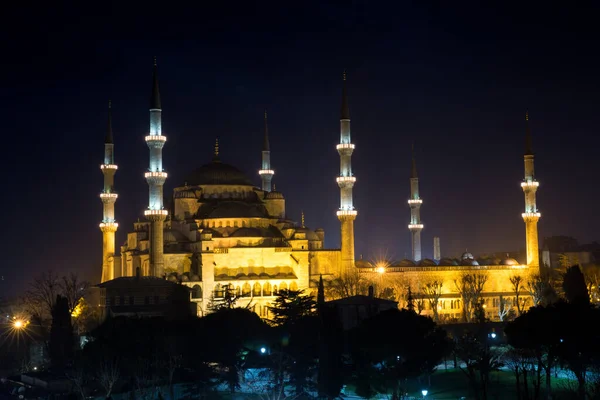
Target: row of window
<point>256,290</point>
<point>130,301</point>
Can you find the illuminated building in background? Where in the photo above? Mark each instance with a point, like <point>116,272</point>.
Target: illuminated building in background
<point>266,173</point>
<point>415,202</point>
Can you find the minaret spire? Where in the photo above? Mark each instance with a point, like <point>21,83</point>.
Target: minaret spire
<point>156,177</point>
<point>266,173</point>
<point>347,213</point>
<point>108,226</point>
<point>415,226</point>
<point>302,219</point>
<point>216,151</point>
<point>531,216</point>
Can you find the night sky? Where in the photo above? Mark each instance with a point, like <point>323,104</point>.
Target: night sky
<point>455,79</point>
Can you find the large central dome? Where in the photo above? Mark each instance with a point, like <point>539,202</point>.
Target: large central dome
<point>218,173</point>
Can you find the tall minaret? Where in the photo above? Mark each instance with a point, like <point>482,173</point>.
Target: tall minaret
<point>156,177</point>
<point>266,173</point>
<point>415,202</point>
<point>347,213</point>
<point>108,197</point>
<point>531,215</point>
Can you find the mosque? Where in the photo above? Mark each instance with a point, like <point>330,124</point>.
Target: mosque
<point>225,233</point>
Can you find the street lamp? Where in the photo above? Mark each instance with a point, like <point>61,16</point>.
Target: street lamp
<point>263,350</point>
<point>18,324</point>
<point>424,392</point>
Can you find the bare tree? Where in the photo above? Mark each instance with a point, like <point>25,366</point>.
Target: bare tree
<point>517,285</point>
<point>349,284</point>
<point>79,379</point>
<point>504,308</point>
<point>536,286</point>
<point>433,290</point>
<point>108,375</point>
<point>592,281</point>
<point>73,289</point>
<point>470,288</point>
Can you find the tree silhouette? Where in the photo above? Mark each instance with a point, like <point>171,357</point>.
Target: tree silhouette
<point>574,286</point>
<point>60,346</point>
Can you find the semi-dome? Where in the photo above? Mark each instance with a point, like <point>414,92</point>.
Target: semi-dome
<point>447,261</point>
<point>509,261</point>
<point>406,263</point>
<point>173,236</point>
<point>231,209</point>
<point>218,173</point>
<point>469,261</point>
<point>310,234</point>
<point>274,195</point>
<point>427,262</point>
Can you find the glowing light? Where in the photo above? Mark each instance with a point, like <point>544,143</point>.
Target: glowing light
<point>155,175</point>
<point>493,335</point>
<point>380,270</point>
<point>530,184</point>
<point>266,172</point>
<point>415,201</point>
<point>344,146</point>
<point>18,324</point>
<point>263,350</point>
<point>109,225</point>
<point>108,166</point>
<point>155,138</point>
<point>415,226</point>
<point>345,179</point>
<point>346,212</point>
<point>78,309</point>
<point>424,392</point>
<point>108,195</point>
<point>531,215</point>
<point>156,212</point>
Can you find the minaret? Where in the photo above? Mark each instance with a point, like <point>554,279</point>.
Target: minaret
<point>531,215</point>
<point>415,202</point>
<point>347,213</point>
<point>266,173</point>
<point>108,197</point>
<point>156,177</point>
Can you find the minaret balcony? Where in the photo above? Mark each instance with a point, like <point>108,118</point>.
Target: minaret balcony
<point>531,215</point>
<point>342,213</point>
<point>415,226</point>
<point>415,201</point>
<point>266,172</point>
<point>156,212</point>
<point>344,179</point>
<point>155,175</point>
<point>530,184</point>
<point>342,146</point>
<point>156,138</point>
<point>109,226</point>
<point>108,166</point>
<point>108,196</point>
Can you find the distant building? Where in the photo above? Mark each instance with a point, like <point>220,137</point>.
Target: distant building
<point>354,309</point>
<point>563,251</point>
<point>141,296</point>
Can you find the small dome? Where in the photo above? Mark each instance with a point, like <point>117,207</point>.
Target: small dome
<point>310,235</point>
<point>469,261</point>
<point>467,256</point>
<point>509,261</point>
<point>194,278</point>
<point>495,261</point>
<point>173,236</point>
<point>406,263</point>
<point>319,230</point>
<point>274,195</point>
<point>447,261</point>
<point>426,262</point>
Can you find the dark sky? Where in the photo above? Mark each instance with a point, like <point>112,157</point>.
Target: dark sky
<point>456,79</point>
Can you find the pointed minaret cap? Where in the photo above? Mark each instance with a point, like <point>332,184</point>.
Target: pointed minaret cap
<point>109,133</point>
<point>266,146</point>
<point>155,99</point>
<point>216,154</point>
<point>413,171</point>
<point>528,150</point>
<point>345,113</point>
<point>302,219</point>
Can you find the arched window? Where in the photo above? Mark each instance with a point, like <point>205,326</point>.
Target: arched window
<point>256,290</point>
<point>274,290</point>
<point>246,290</point>
<point>196,292</point>
<point>267,289</point>
<point>218,290</point>
<point>238,291</point>
<point>283,286</point>
<point>243,224</point>
<point>294,286</point>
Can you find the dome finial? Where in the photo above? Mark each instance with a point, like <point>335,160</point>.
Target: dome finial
<point>528,150</point>
<point>266,146</point>
<point>274,188</point>
<point>302,218</point>
<point>216,157</point>
<point>345,113</point>
<point>413,172</point>
<point>155,98</point>
<point>109,133</point>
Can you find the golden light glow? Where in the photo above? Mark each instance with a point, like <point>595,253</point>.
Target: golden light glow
<point>156,138</point>
<point>415,226</point>
<point>344,146</point>
<point>380,270</point>
<point>109,225</point>
<point>266,172</point>
<point>18,324</point>
<point>415,201</point>
<point>345,179</point>
<point>78,309</point>
<point>531,215</point>
<point>347,212</point>
<point>108,195</point>
<point>108,166</point>
<point>530,184</point>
